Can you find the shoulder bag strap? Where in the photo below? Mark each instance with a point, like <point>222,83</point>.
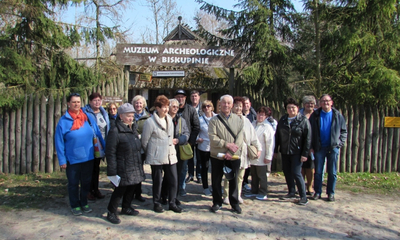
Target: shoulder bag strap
<point>227,127</point>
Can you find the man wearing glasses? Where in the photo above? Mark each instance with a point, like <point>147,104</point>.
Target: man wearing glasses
<point>329,134</point>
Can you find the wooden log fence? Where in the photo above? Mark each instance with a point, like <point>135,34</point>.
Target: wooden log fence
<point>27,134</point>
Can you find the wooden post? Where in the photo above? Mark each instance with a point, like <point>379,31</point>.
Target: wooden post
<point>29,127</point>
<point>389,144</point>
<point>50,135</point>
<point>36,135</point>
<point>43,134</point>
<point>12,142</point>
<point>231,80</point>
<point>342,153</point>
<point>2,144</point>
<point>18,141</point>
<point>361,140</point>
<point>375,141</point>
<point>23,135</point>
<point>368,140</point>
<point>57,116</point>
<point>349,138</point>
<point>355,139</point>
<point>6,147</point>
<point>383,136</point>
<point>396,146</point>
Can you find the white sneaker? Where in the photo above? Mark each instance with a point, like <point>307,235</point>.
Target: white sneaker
<point>249,195</point>
<point>246,187</point>
<point>262,197</point>
<point>226,201</point>
<point>240,200</point>
<point>207,192</point>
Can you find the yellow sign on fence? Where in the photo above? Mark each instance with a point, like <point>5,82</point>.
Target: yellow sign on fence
<point>393,122</point>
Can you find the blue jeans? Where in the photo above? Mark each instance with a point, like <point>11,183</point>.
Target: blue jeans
<point>331,163</point>
<point>79,173</point>
<point>182,170</point>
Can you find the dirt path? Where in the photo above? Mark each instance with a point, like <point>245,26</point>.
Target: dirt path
<point>351,216</point>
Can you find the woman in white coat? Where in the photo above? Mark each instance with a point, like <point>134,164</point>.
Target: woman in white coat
<point>159,143</point>
<point>258,168</point>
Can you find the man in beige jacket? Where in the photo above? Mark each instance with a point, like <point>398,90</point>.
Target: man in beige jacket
<point>228,144</point>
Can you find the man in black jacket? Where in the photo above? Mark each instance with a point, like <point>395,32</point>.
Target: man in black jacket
<point>193,124</point>
<point>329,134</point>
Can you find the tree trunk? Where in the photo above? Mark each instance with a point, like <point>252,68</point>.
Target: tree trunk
<point>375,141</point>
<point>18,141</point>
<point>29,135</point>
<point>57,116</point>
<point>361,151</point>
<point>23,136</point>
<point>368,140</point>
<point>355,139</point>
<point>50,135</point>
<point>349,138</point>
<point>43,134</point>
<point>12,142</point>
<point>6,147</point>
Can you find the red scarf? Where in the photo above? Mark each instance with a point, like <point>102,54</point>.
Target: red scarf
<point>79,119</point>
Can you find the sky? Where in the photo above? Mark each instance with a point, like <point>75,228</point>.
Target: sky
<point>139,16</point>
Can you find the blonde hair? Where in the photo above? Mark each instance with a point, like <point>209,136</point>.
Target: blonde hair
<point>137,98</point>
<point>207,102</point>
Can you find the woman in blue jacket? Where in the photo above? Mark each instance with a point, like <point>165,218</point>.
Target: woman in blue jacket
<point>74,144</point>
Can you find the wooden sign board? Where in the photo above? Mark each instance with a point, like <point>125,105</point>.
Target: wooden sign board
<point>108,99</point>
<point>145,77</point>
<point>176,55</point>
<point>392,122</point>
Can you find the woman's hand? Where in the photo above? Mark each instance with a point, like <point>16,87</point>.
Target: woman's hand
<point>64,166</point>
<point>200,140</point>
<point>258,154</point>
<point>303,159</point>
<point>266,161</point>
<point>175,141</point>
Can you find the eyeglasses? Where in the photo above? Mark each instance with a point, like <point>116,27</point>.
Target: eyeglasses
<point>326,101</point>
<point>174,106</point>
<point>113,108</point>
<point>206,106</point>
<point>74,94</point>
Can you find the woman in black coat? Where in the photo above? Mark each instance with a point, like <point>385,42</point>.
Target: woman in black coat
<point>124,160</point>
<point>293,141</point>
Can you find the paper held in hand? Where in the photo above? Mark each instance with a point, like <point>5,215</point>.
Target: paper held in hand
<point>114,179</point>
<point>222,155</point>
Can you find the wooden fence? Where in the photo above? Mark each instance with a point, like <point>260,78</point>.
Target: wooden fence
<point>27,134</point>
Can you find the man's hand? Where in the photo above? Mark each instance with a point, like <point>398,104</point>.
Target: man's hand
<point>200,140</point>
<point>64,166</point>
<point>259,154</point>
<point>232,147</point>
<point>175,141</point>
<point>228,156</point>
<point>303,159</point>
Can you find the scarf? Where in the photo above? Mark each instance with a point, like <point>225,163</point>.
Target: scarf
<point>79,119</point>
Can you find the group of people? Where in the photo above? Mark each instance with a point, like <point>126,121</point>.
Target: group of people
<point>237,141</point>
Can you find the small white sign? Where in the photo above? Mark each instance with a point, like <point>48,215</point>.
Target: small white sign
<point>168,73</point>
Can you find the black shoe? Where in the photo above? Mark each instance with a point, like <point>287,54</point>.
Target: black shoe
<point>158,208</point>
<point>113,218</point>
<point>140,198</point>
<point>98,195</point>
<point>177,202</point>
<point>129,211</point>
<point>164,201</point>
<point>303,201</point>
<point>288,196</point>
<point>199,181</point>
<point>237,209</point>
<point>189,179</point>
<point>316,196</point>
<point>175,208</point>
<point>331,197</point>
<point>215,208</point>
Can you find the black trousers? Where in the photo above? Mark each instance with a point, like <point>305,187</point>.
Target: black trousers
<point>94,184</point>
<point>191,163</point>
<point>170,174</point>
<point>216,178</point>
<point>291,165</point>
<point>205,163</point>
<point>124,192</point>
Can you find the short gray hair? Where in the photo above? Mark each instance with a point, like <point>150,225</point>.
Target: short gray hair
<point>309,98</point>
<point>173,100</point>
<point>226,96</point>
<point>137,98</point>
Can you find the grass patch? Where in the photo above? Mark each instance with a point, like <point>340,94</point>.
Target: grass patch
<point>373,183</point>
<point>35,190</point>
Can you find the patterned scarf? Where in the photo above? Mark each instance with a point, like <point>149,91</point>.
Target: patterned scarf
<point>79,119</point>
